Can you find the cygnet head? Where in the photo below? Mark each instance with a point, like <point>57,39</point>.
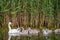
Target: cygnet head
<point>29,28</point>
<point>22,28</point>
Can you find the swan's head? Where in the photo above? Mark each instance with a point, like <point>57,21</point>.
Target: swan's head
<point>9,23</point>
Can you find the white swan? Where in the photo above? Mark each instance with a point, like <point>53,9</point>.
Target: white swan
<point>13,32</point>
<point>57,31</point>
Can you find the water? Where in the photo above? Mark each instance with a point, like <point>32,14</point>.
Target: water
<point>4,36</point>
<point>32,37</point>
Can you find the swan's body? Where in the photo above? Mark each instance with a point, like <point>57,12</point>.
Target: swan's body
<point>57,31</point>
<point>14,31</point>
<point>46,32</point>
<point>33,31</point>
<point>29,31</point>
<point>24,32</point>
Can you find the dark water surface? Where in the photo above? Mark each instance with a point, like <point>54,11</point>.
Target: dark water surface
<point>4,36</point>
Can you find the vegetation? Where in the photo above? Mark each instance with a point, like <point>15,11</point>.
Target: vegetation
<point>30,13</point>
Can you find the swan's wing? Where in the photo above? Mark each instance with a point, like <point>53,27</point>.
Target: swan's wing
<point>14,31</point>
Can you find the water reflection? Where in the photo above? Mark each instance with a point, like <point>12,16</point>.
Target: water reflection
<point>13,35</point>
<point>31,37</point>
<point>22,37</point>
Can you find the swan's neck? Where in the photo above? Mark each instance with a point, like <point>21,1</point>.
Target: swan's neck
<point>9,27</point>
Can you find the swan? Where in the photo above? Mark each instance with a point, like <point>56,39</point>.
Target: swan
<point>24,32</point>
<point>33,31</point>
<point>57,31</point>
<point>29,31</point>
<point>46,32</point>
<point>13,32</point>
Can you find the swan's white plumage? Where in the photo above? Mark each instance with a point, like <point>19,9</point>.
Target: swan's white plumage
<point>13,32</point>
